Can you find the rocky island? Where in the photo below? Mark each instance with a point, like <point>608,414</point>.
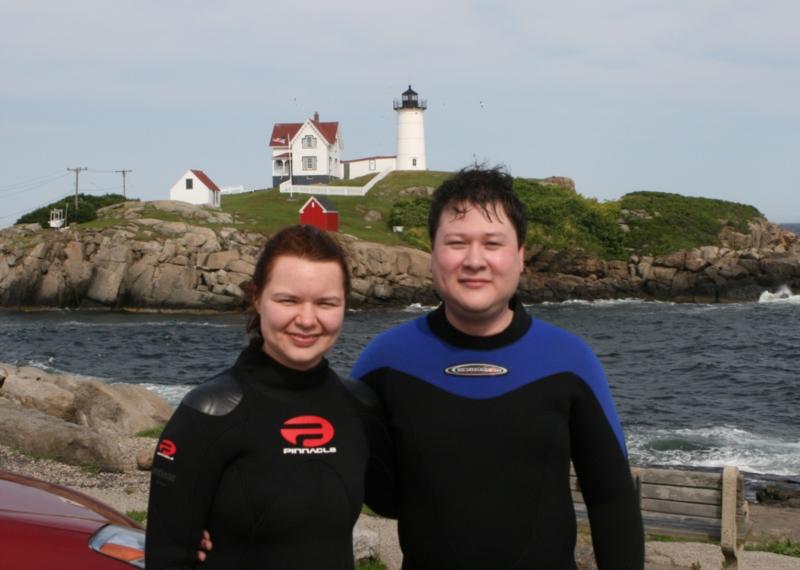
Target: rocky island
<point>149,263</point>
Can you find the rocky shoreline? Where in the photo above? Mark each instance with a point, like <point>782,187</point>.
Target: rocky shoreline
<point>151,264</point>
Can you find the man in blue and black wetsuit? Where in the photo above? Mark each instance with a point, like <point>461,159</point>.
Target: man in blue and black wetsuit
<point>488,406</point>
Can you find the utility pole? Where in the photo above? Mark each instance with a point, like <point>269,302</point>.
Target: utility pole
<point>123,172</point>
<point>77,171</point>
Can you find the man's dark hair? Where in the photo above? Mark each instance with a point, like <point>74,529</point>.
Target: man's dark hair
<point>483,188</point>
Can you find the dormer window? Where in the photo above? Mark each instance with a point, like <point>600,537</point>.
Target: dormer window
<point>309,141</point>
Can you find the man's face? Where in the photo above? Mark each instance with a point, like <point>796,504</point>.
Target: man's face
<point>476,262</point>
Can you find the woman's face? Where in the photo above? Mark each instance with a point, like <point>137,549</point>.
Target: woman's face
<point>301,310</point>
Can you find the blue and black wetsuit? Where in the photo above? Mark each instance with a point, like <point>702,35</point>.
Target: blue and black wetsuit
<point>272,462</point>
<point>484,429</point>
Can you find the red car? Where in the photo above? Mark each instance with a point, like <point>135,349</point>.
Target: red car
<point>46,526</point>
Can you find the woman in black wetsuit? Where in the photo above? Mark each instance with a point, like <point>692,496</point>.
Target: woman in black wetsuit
<point>270,456</point>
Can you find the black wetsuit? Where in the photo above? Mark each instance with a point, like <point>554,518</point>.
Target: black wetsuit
<point>271,461</point>
<point>485,428</point>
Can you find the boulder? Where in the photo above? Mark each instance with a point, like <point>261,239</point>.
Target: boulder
<point>106,283</point>
<point>31,388</point>
<point>35,433</point>
<point>373,216</point>
<point>76,269</point>
<point>144,459</point>
<point>124,409</point>
<point>779,496</point>
<point>365,543</point>
<point>241,266</point>
<point>220,260</point>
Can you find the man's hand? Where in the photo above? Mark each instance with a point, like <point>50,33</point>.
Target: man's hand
<point>205,546</point>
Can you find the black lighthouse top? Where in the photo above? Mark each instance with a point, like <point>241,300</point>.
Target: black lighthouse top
<point>410,100</point>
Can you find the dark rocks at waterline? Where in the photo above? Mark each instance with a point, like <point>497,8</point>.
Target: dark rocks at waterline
<point>778,495</point>
<point>155,264</point>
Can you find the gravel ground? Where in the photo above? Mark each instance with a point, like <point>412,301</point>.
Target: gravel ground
<point>128,491</point>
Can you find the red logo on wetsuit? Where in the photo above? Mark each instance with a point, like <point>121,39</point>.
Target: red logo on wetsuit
<point>309,433</point>
<point>167,449</point>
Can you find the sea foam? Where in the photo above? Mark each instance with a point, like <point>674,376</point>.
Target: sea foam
<point>715,446</point>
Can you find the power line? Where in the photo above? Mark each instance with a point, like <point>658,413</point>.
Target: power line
<point>33,180</point>
<point>32,185</point>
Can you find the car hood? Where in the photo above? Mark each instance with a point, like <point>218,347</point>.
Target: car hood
<point>41,503</point>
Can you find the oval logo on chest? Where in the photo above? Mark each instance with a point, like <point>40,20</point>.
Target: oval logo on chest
<point>476,369</point>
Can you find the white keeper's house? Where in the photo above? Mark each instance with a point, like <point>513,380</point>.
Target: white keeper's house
<point>195,187</point>
<point>310,154</point>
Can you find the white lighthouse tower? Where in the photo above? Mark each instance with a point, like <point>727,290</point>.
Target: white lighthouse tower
<point>410,131</point>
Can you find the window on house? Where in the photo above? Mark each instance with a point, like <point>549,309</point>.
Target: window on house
<point>309,163</point>
<point>413,162</point>
<point>189,183</point>
<point>372,165</point>
<point>309,141</point>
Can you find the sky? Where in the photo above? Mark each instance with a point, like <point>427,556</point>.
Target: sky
<point>700,98</point>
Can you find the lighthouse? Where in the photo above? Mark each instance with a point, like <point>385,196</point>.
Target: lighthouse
<point>410,131</point>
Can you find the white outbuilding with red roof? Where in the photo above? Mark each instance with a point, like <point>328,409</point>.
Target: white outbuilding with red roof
<point>195,187</point>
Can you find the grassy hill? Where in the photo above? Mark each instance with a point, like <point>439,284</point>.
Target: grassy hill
<point>269,210</point>
<point>650,223</point>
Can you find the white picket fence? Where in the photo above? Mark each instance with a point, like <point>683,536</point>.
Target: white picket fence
<point>232,189</point>
<point>286,187</point>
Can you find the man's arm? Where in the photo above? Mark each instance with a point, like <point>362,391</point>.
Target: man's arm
<point>600,460</point>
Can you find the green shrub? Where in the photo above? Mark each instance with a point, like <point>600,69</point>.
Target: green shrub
<point>410,213</point>
<point>560,218</point>
<point>662,223</point>
<point>86,212</point>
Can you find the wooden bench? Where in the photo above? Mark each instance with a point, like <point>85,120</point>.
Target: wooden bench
<point>697,505</point>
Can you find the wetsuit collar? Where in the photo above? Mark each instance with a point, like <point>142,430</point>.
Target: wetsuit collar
<point>257,368</point>
<point>520,323</point>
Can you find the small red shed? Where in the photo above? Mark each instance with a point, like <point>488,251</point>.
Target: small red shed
<point>321,213</point>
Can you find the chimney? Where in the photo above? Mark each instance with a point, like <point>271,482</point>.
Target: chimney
<point>316,117</point>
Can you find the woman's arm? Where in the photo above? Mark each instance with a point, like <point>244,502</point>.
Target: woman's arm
<point>380,483</point>
<point>191,455</point>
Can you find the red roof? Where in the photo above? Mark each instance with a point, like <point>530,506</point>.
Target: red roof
<point>205,180</point>
<point>327,130</point>
<point>282,133</point>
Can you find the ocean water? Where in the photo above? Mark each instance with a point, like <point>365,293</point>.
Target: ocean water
<point>694,385</point>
